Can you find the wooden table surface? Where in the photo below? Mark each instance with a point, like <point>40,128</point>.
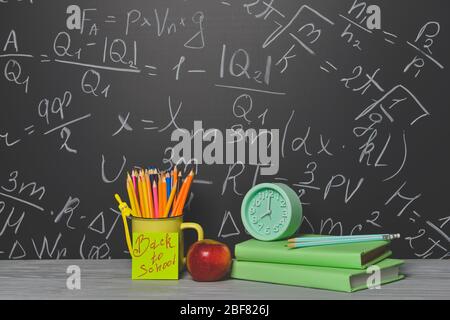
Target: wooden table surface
<point>110,279</point>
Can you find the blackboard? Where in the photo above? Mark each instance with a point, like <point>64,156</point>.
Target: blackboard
<point>358,92</point>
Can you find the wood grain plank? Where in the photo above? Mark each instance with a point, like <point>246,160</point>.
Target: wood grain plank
<point>110,279</point>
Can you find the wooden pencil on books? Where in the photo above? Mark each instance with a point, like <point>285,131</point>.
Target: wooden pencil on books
<point>369,237</point>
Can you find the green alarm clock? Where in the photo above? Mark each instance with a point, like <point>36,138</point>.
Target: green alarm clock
<point>271,211</point>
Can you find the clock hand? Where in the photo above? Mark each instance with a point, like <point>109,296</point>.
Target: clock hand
<point>269,210</point>
<point>268,203</point>
<point>269,213</point>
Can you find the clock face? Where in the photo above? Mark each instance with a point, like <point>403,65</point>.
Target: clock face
<point>268,212</point>
<point>271,211</point>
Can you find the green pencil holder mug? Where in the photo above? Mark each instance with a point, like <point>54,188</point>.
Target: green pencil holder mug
<point>149,225</point>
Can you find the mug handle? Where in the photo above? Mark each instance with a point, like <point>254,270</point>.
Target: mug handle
<point>126,211</point>
<point>192,225</point>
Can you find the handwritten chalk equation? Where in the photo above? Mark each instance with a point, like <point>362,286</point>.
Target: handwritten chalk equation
<point>358,101</point>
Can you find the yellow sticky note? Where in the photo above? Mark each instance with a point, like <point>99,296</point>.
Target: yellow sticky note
<point>155,255</point>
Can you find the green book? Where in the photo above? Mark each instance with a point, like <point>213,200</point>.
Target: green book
<point>336,279</point>
<point>349,255</point>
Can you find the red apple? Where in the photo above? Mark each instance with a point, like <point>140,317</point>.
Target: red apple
<point>208,260</point>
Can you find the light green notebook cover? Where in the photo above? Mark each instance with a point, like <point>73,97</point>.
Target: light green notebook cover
<point>351,255</point>
<point>336,279</point>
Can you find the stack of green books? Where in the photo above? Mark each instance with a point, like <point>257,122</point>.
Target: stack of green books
<point>339,267</point>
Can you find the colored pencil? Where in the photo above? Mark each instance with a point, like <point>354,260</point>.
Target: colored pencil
<point>171,179</point>
<point>134,180</point>
<point>141,198</point>
<point>170,201</point>
<point>184,193</point>
<point>143,187</point>
<point>135,188</point>
<point>149,196</point>
<point>146,195</point>
<point>175,183</point>
<point>163,194</point>
<point>174,176</point>
<point>152,176</point>
<point>168,185</point>
<point>338,238</point>
<point>326,243</point>
<point>155,199</point>
<point>159,194</point>
<point>136,202</point>
<point>131,195</point>
<point>179,185</point>
<point>177,203</point>
<point>293,245</point>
